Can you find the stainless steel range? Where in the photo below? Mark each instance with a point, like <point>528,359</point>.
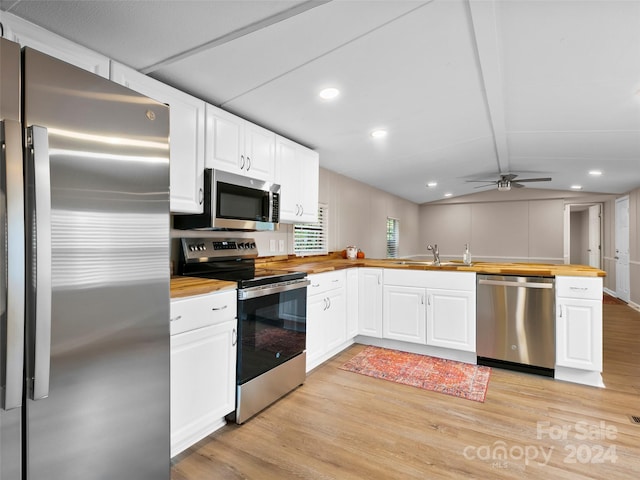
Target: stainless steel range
<point>272,317</point>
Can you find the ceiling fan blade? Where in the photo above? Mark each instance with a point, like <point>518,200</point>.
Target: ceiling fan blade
<point>546,179</point>
<point>516,185</point>
<point>482,181</point>
<point>487,185</point>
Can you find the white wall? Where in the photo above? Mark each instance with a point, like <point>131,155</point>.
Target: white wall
<point>497,231</point>
<point>358,216</point>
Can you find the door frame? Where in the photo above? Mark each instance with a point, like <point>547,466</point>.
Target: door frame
<point>568,207</point>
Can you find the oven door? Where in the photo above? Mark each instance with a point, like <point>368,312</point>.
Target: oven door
<point>272,326</point>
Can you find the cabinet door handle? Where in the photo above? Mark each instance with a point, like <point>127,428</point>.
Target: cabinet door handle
<point>329,302</point>
<point>219,308</point>
<point>422,300</point>
<point>315,285</point>
<point>326,305</point>
<point>429,300</point>
<point>175,319</point>
<point>248,164</point>
<point>234,336</point>
<point>200,196</point>
<point>379,280</point>
<point>301,210</point>
<point>560,313</point>
<point>335,281</point>
<point>241,162</point>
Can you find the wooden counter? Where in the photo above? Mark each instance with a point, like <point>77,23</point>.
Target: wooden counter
<point>331,262</point>
<point>189,286</point>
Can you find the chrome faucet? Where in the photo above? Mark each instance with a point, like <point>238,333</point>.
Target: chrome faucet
<point>436,253</point>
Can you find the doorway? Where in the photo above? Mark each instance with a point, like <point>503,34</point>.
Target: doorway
<point>583,234</point>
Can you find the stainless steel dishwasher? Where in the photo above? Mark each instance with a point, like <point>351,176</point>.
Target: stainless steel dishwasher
<point>516,323</point>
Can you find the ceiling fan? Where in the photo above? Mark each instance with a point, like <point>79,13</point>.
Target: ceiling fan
<point>507,181</point>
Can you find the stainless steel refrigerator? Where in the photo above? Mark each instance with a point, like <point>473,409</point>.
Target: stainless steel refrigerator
<point>84,337</point>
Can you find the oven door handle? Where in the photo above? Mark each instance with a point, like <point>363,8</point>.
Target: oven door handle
<point>262,291</point>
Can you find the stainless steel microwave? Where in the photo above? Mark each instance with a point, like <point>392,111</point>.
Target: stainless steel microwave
<point>235,202</point>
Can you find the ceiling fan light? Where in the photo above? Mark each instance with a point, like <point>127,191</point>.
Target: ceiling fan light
<point>504,186</point>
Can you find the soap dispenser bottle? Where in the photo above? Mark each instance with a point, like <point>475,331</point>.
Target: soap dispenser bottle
<point>466,258</point>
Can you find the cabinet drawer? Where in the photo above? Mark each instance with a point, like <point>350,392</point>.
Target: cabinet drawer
<point>579,287</point>
<point>323,282</point>
<point>196,312</point>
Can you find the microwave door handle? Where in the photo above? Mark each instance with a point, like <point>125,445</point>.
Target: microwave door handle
<point>13,275</point>
<point>40,197</point>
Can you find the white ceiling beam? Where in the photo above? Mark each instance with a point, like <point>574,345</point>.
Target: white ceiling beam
<point>485,29</point>
<point>240,32</point>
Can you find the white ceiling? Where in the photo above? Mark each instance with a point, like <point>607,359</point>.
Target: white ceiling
<point>466,89</point>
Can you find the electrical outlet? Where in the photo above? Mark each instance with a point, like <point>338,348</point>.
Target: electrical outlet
<point>281,246</point>
<point>272,245</point>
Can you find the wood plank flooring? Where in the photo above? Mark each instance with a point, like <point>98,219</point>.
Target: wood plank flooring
<point>341,425</point>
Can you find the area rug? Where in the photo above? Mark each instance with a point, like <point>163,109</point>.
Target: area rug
<point>430,373</point>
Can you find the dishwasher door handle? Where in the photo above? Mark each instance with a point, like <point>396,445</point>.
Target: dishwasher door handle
<point>503,283</point>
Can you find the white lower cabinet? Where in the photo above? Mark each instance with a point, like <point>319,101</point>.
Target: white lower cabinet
<point>451,319</point>
<point>370,302</point>
<point>352,302</point>
<point>203,366</point>
<point>326,316</point>
<point>579,323</point>
<point>432,308</point>
<point>404,316</point>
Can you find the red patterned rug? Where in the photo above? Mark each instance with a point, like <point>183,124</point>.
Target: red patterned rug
<point>436,374</point>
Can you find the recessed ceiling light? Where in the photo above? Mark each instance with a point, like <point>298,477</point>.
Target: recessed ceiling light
<point>329,93</point>
<point>432,184</point>
<point>448,194</point>
<point>576,187</point>
<point>379,133</point>
<point>595,173</point>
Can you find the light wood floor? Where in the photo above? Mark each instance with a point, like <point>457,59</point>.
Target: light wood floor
<point>342,425</point>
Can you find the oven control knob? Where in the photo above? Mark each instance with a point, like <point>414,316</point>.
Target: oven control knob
<point>253,244</point>
<point>240,246</point>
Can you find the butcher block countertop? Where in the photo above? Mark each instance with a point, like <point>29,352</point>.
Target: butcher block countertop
<point>333,262</point>
<point>188,286</point>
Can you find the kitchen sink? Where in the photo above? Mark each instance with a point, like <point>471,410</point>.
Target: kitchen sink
<point>428,264</point>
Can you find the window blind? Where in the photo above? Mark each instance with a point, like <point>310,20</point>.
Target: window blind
<point>311,238</point>
<point>393,228</point>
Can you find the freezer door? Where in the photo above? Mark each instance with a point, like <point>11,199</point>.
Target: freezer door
<point>12,273</point>
<point>98,404</point>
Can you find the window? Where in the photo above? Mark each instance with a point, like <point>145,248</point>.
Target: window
<point>312,238</point>
<point>393,231</point>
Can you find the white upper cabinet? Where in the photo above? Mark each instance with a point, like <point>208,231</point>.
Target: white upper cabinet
<point>297,172</point>
<point>30,35</point>
<point>186,136</point>
<point>238,146</point>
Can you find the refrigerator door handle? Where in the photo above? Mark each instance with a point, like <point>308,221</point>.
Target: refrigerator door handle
<point>13,275</point>
<point>38,156</point>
